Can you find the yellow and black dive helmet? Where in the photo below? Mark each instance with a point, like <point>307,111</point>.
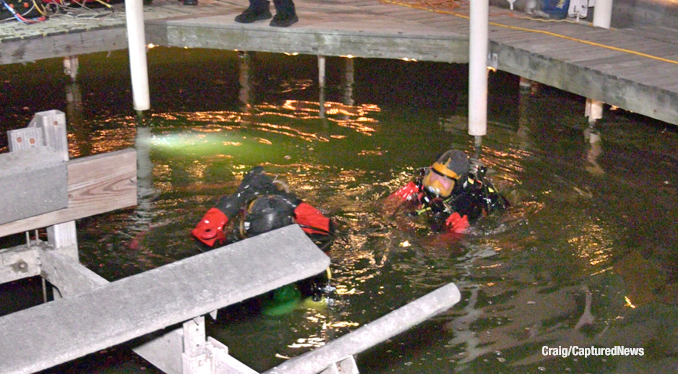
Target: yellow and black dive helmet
<point>448,170</point>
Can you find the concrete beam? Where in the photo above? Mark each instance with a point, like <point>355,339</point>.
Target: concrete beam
<point>69,328</point>
<point>96,184</point>
<point>33,182</point>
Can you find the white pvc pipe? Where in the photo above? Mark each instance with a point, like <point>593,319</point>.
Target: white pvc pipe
<point>602,14</point>
<point>477,74</point>
<point>136,40</point>
<point>373,333</point>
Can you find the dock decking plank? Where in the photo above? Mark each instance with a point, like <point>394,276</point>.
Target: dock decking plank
<point>372,29</point>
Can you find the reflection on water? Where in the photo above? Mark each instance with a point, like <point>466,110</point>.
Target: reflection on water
<point>585,255</point>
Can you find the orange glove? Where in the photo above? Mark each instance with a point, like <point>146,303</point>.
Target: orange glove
<point>457,223</point>
<point>211,227</point>
<point>312,221</point>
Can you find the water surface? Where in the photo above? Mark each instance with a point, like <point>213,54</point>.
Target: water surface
<point>593,211</point>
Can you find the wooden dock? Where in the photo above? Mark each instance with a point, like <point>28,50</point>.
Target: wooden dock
<point>633,69</point>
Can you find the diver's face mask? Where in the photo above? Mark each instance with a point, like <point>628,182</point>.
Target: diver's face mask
<point>439,180</point>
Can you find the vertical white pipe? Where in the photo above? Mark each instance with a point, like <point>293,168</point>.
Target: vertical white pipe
<point>602,14</point>
<point>136,40</point>
<point>477,74</point>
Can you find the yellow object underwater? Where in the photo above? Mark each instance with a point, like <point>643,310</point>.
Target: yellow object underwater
<point>287,299</point>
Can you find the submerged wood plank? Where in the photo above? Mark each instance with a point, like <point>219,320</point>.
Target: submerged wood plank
<point>96,184</point>
<point>65,329</point>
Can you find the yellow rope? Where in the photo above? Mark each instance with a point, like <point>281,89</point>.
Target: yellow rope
<point>537,31</point>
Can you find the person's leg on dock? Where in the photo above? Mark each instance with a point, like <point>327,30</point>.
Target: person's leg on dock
<point>258,10</point>
<point>285,14</point>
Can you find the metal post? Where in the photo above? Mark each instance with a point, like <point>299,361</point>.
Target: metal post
<point>478,146</point>
<point>477,93</point>
<point>602,14</point>
<point>136,40</point>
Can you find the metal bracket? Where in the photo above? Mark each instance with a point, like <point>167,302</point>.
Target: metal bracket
<point>345,366</point>
<point>492,60</point>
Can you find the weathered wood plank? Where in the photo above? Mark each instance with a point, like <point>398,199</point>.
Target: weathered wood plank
<point>67,275</point>
<point>629,95</point>
<point>60,45</point>
<point>370,29</point>
<point>96,184</point>
<point>365,38</point>
<point>62,330</point>
<point>18,263</point>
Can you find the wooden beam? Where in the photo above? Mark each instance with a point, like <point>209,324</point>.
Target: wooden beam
<point>96,184</point>
<point>72,43</point>
<point>56,332</point>
<point>367,38</point>
<point>67,275</point>
<point>18,263</point>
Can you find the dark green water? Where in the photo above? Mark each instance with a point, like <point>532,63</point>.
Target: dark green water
<point>586,217</point>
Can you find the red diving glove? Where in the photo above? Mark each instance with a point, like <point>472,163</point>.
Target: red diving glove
<point>211,227</point>
<point>405,192</point>
<point>456,223</point>
<point>311,220</point>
